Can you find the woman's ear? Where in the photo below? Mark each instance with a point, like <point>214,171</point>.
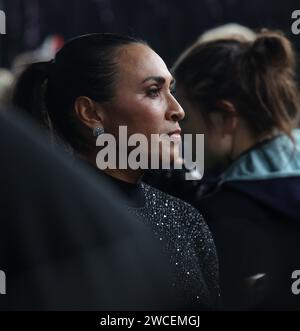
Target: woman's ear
<point>88,112</point>
<point>229,116</point>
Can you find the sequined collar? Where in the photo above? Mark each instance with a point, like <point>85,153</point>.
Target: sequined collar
<point>133,193</point>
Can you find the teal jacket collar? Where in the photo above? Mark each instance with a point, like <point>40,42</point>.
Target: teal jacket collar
<point>275,158</point>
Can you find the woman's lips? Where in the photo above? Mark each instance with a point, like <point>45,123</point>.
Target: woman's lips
<point>175,134</point>
<point>178,131</point>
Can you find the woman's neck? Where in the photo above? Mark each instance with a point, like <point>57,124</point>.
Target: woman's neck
<point>244,140</point>
<point>125,175</point>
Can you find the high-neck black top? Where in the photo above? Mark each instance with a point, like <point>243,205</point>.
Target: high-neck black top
<point>185,238</point>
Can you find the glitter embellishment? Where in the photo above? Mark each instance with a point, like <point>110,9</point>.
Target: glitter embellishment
<point>187,241</point>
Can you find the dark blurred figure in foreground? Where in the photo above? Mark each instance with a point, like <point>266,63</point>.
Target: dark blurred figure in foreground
<point>64,243</point>
<point>246,101</point>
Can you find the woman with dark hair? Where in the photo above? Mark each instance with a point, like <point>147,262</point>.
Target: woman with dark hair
<point>243,96</point>
<point>97,83</point>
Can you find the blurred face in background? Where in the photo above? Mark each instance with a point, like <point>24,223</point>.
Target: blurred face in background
<point>217,143</point>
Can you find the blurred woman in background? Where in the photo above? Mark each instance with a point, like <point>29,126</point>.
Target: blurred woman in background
<point>243,96</point>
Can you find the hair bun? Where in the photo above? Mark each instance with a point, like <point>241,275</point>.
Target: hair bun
<point>273,49</point>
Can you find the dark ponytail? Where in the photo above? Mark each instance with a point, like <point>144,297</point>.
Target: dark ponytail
<point>258,77</point>
<point>85,66</point>
<point>29,92</point>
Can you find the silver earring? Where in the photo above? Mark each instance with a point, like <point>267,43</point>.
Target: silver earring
<point>97,131</point>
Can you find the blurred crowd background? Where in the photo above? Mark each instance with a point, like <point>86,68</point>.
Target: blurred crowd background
<point>168,25</point>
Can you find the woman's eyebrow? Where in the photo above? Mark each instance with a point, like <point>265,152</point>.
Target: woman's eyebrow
<point>158,79</point>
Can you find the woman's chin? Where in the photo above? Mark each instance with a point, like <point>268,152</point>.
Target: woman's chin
<point>171,159</point>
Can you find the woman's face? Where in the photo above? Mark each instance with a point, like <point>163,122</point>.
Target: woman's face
<point>215,145</point>
<point>143,98</point>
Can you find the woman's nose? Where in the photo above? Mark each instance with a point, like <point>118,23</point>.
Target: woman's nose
<point>175,112</point>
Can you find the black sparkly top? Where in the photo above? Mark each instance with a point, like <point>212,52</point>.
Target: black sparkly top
<point>185,237</point>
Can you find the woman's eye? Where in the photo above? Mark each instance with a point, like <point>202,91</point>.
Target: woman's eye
<point>154,92</point>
